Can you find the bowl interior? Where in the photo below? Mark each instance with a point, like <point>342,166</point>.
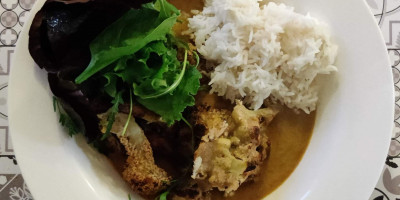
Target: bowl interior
<point>350,141</point>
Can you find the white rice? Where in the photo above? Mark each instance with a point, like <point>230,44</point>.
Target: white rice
<point>263,51</point>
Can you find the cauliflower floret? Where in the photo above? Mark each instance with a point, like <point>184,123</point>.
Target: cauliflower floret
<point>233,147</point>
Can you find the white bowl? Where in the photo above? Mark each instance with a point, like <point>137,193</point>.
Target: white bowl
<point>344,159</point>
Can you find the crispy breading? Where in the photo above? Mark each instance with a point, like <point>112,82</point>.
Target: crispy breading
<point>233,147</point>
<point>140,171</point>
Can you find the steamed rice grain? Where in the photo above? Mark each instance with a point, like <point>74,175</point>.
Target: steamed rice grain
<point>263,51</point>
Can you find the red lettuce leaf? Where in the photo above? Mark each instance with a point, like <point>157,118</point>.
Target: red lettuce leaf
<point>59,39</point>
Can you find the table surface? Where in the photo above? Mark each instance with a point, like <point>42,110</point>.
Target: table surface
<point>15,12</point>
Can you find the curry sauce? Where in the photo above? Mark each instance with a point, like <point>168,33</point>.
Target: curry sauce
<point>289,133</point>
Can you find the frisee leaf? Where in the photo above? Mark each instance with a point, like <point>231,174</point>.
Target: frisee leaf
<point>172,86</point>
<point>171,106</point>
<point>68,118</point>
<point>152,70</point>
<point>113,111</point>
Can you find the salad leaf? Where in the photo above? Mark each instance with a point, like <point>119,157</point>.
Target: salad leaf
<point>61,31</point>
<point>154,71</point>
<point>85,100</point>
<point>138,53</point>
<point>166,9</point>
<point>164,195</point>
<point>68,117</point>
<point>162,90</point>
<point>143,65</point>
<point>111,86</point>
<point>129,34</point>
<point>171,106</point>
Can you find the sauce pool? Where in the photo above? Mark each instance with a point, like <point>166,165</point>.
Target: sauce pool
<point>290,134</point>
